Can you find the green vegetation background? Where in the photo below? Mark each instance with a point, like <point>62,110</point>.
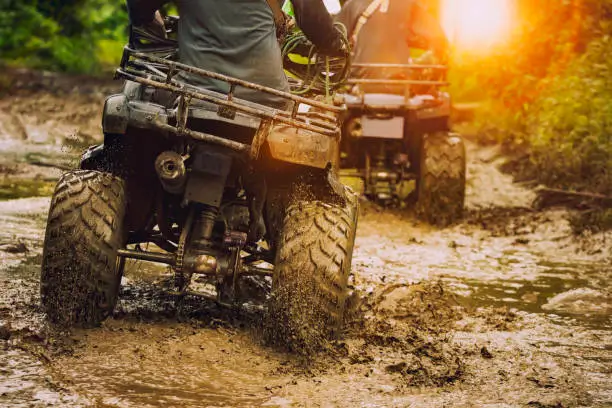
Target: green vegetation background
<point>546,95</point>
<point>83,36</point>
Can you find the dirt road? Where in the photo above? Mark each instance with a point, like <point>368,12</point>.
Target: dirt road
<point>506,309</point>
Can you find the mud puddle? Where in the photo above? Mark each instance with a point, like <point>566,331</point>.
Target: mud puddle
<point>168,364</point>
<point>506,309</point>
<point>523,260</point>
<point>46,121</point>
<point>465,327</point>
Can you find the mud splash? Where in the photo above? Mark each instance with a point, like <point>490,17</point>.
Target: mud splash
<point>505,309</point>
<point>444,341</point>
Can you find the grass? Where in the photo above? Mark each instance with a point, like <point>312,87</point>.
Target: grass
<point>13,189</point>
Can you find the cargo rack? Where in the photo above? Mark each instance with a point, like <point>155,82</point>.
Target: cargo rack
<point>150,70</point>
<point>356,101</point>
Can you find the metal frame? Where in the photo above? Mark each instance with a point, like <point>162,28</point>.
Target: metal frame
<point>404,67</point>
<point>161,73</point>
<point>409,66</point>
<point>171,260</point>
<point>148,69</point>
<point>364,108</point>
<point>403,105</point>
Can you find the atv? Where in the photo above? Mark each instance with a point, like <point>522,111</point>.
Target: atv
<point>216,187</point>
<point>397,148</point>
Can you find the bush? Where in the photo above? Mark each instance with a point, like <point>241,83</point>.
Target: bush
<point>570,126</point>
<point>61,35</point>
<point>549,93</point>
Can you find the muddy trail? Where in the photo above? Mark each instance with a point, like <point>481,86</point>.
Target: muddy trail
<point>505,309</point>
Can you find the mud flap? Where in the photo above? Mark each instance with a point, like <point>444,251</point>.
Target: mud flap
<point>109,156</point>
<point>102,157</point>
<point>337,190</point>
<point>323,185</point>
<point>92,158</point>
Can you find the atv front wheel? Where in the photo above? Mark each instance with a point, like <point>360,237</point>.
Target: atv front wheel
<point>441,181</point>
<point>313,262</point>
<point>80,274</point>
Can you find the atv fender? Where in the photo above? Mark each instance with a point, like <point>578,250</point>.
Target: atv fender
<point>302,147</point>
<point>116,115</point>
<point>119,112</point>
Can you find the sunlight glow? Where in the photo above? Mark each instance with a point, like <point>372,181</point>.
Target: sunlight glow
<point>477,23</point>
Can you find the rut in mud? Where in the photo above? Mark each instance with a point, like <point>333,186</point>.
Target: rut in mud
<point>506,307</point>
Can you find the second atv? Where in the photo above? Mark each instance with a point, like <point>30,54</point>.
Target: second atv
<point>397,147</point>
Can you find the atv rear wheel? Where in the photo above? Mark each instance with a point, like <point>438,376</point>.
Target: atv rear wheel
<point>441,181</point>
<point>80,275</point>
<point>313,261</point>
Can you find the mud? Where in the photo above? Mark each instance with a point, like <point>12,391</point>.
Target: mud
<point>46,120</point>
<point>506,309</point>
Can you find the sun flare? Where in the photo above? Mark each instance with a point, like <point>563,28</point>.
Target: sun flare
<point>475,23</point>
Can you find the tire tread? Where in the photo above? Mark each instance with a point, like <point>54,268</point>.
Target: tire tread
<point>313,263</point>
<point>79,285</point>
<point>441,186</point>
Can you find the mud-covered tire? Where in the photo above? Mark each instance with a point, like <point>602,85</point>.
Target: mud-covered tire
<point>441,181</point>
<point>79,277</point>
<point>310,288</point>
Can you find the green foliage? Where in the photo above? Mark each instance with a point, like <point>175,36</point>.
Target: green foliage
<point>551,35</point>
<point>547,96</point>
<point>570,126</point>
<point>549,93</point>
<point>62,35</point>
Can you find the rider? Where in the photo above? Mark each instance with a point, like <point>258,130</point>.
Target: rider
<point>238,38</point>
<point>385,31</point>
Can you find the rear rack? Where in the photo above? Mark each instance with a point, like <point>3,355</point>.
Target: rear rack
<point>441,69</point>
<point>150,70</point>
<point>427,93</point>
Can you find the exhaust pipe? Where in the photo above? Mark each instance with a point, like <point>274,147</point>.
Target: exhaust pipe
<point>170,168</point>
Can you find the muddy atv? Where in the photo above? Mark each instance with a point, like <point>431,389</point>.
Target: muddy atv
<point>218,188</point>
<point>397,148</point>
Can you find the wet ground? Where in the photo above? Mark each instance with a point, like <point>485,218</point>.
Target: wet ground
<point>506,309</point>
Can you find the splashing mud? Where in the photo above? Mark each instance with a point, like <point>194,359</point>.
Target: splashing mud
<point>507,308</point>
<point>449,317</point>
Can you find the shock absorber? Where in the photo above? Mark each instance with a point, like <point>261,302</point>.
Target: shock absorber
<point>203,227</point>
<point>193,254</point>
